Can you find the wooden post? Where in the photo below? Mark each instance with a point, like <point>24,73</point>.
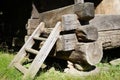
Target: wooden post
<point>68,39</point>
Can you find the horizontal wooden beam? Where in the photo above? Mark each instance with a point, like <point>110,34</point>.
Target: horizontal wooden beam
<point>85,11</point>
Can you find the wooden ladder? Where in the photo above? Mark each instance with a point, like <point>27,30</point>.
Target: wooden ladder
<point>40,54</point>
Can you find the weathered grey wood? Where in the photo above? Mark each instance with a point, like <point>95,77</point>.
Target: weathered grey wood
<point>31,25</point>
<point>84,54</point>
<point>39,38</point>
<point>31,50</point>
<point>29,43</point>
<point>78,1</point>
<point>84,11</point>
<point>109,39</point>
<point>34,13</point>
<point>20,68</point>
<point>69,22</point>
<point>106,22</point>
<point>51,17</point>
<point>30,31</point>
<point>108,27</point>
<point>66,42</point>
<point>43,52</point>
<point>92,52</point>
<point>59,44</point>
<point>86,33</point>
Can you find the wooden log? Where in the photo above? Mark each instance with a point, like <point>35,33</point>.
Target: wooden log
<point>66,42</point>
<point>85,54</point>
<point>84,11</point>
<point>86,33</point>
<point>93,52</point>
<point>108,27</point>
<point>69,22</point>
<point>51,17</point>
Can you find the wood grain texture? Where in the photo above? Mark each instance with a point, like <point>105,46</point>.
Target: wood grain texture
<point>86,33</point>
<point>66,42</point>
<point>29,43</point>
<point>44,51</point>
<point>108,27</point>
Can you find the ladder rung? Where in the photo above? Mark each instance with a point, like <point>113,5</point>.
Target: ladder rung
<point>20,68</point>
<point>31,50</point>
<point>39,38</point>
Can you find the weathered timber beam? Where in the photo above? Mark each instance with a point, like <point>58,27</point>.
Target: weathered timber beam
<point>106,22</point>
<point>108,27</point>
<point>85,11</point>
<point>109,39</point>
<point>86,33</point>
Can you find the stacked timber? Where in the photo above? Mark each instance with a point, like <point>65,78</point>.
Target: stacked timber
<point>108,27</point>
<point>77,43</point>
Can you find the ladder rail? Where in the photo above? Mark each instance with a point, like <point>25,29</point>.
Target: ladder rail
<point>44,51</point>
<point>20,55</point>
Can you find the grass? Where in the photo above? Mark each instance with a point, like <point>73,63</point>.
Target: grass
<point>12,74</point>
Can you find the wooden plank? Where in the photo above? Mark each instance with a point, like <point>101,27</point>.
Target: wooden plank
<point>31,50</point>
<point>43,53</point>
<point>21,54</point>
<point>84,10</point>
<point>39,38</point>
<point>20,68</point>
